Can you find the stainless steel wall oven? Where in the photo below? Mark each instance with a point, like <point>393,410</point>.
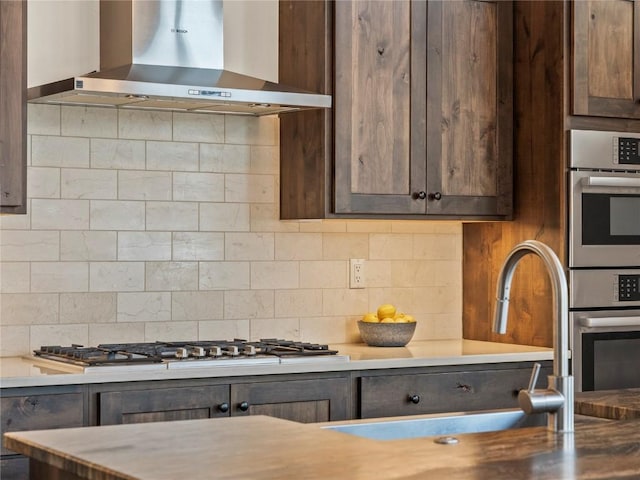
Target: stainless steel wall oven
<point>604,259</point>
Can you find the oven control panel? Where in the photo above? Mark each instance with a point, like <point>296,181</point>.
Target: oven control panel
<point>626,151</point>
<point>628,288</point>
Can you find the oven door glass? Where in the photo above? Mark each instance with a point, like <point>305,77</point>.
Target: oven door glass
<point>610,219</point>
<point>610,360</point>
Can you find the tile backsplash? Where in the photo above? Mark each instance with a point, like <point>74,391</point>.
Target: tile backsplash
<point>150,226</point>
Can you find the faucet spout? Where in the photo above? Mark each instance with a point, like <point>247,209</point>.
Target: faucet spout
<point>558,398</point>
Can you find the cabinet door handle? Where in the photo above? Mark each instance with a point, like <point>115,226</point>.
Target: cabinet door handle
<point>421,195</point>
<point>414,398</point>
<point>223,407</point>
<point>435,196</point>
<point>243,406</point>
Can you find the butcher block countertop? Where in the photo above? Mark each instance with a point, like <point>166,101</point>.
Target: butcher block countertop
<point>30,372</point>
<point>269,448</point>
<point>614,404</point>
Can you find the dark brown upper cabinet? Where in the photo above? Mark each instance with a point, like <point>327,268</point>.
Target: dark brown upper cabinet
<point>606,58</point>
<point>421,125</point>
<point>13,106</point>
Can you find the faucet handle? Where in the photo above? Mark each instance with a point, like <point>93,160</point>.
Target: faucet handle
<point>534,377</point>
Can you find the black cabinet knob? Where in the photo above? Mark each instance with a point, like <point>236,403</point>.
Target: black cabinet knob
<point>419,195</point>
<point>414,398</point>
<point>435,196</point>
<point>223,407</point>
<point>244,406</point>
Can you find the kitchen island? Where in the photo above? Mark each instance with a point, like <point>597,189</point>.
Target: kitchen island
<point>270,448</point>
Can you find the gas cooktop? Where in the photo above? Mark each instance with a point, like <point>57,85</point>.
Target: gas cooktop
<point>185,354</point>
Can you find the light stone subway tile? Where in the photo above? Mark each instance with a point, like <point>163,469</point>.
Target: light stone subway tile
<point>266,275</point>
<point>224,275</point>
<point>43,119</point>
<point>142,185</point>
<point>323,226</point>
<point>169,276</point>
<point>87,308</point>
<point>249,188</point>
<point>144,307</point>
<point>224,329</point>
<point>288,328</point>
<point>378,273</point>
<point>48,151</point>
<point>89,183</point>
<point>145,124</point>
<point>426,227</point>
<point>404,299</point>
<point>194,127</point>
<point>116,276</point>
<point>116,333</point>
<point>242,130</point>
<point>27,245</point>
<point>169,331</point>
<point>249,246</point>
<point>248,304</point>
<point>329,329</point>
<point>89,121</point>
<point>14,340</point>
<point>265,159</point>
<point>197,305</point>
<point>117,215</point>
<point>29,308</point>
<point>438,247</point>
<point>144,246</point>
<point>43,182</point>
<point>436,326</point>
<point>58,335</point>
<point>224,217</point>
<point>15,277</point>
<point>368,226</point>
<point>298,246</point>
<point>174,156</point>
<point>175,216</point>
<point>54,214</point>
<point>222,158</point>
<point>390,246</point>
<point>198,187</point>
<point>420,300</point>
<point>118,154</point>
<point>343,246</point>
<point>419,273</point>
<point>338,301</point>
<point>198,246</point>
<point>88,245</point>
<point>298,303</point>
<point>265,217</point>
<point>50,277</point>
<point>324,274</point>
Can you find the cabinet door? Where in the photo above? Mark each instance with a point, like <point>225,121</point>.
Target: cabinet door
<point>163,404</point>
<point>393,395</point>
<point>469,107</point>
<point>379,107</point>
<point>306,401</point>
<point>13,107</point>
<point>606,58</point>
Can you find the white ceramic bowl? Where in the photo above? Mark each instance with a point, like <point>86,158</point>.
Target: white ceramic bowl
<point>386,334</point>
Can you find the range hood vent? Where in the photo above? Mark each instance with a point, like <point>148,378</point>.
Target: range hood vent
<point>169,55</point>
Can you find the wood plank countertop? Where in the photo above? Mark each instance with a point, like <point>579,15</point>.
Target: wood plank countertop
<point>614,404</point>
<point>269,448</point>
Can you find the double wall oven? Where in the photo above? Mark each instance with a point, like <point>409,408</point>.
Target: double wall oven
<point>604,259</point>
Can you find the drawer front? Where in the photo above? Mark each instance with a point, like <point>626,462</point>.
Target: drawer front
<point>393,395</point>
<point>39,412</point>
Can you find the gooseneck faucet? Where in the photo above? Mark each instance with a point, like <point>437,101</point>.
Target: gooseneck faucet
<point>557,398</point>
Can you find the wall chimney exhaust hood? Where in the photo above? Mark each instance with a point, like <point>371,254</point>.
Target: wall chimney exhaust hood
<point>169,55</point>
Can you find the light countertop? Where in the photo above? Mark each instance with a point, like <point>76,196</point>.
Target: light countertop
<point>29,372</point>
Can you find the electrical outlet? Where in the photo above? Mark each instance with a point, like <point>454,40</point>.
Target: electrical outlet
<point>356,273</point>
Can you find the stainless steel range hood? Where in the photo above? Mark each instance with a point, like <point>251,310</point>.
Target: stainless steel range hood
<point>169,55</point>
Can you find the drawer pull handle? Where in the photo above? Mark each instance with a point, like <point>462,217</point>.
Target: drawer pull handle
<point>223,407</point>
<point>464,388</point>
<point>414,398</point>
<point>244,406</point>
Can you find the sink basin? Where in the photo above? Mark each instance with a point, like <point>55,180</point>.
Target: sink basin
<point>396,428</point>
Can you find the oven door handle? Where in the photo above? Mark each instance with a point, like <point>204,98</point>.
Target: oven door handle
<point>613,182</point>
<point>610,321</point>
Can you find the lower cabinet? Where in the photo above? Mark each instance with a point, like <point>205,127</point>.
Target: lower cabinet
<point>305,400</point>
<point>412,393</point>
